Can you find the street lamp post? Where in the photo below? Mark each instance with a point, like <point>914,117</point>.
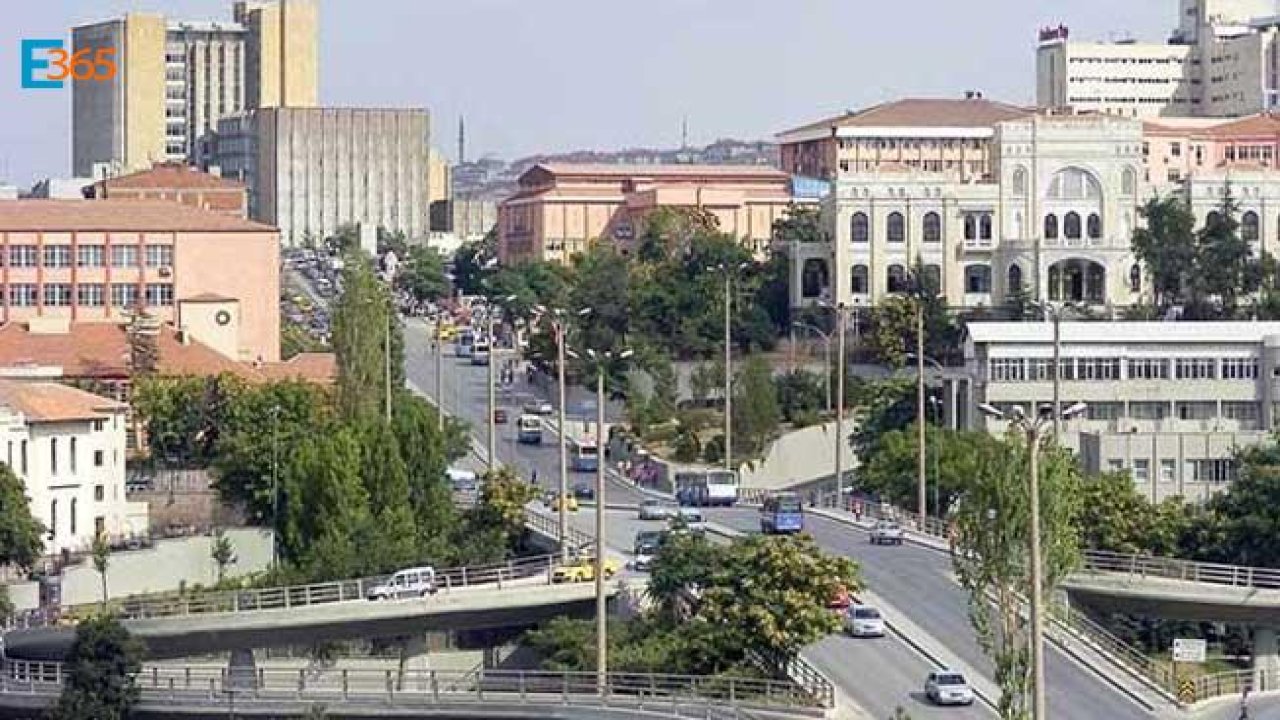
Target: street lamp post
<point>386,362</point>
<point>826,358</point>
<point>493,401</point>
<point>1033,427</point>
<point>841,361</point>
<point>275,486</point>
<point>602,360</point>
<point>936,403</point>
<point>560,328</point>
<point>440,372</point>
<point>921,479</point>
<point>728,271</point>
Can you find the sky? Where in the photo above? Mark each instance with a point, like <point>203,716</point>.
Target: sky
<point>536,76</point>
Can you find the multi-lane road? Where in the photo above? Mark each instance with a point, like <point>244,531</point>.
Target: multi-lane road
<point>916,582</point>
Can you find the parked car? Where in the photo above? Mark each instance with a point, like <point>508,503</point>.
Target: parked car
<point>864,621</point>
<point>886,532</point>
<point>583,570</point>
<point>413,582</point>
<point>947,687</point>
<point>840,599</point>
<point>584,491</point>
<point>500,416</point>
<point>655,510</point>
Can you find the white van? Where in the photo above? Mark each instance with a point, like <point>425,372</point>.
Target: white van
<point>461,479</point>
<point>413,582</point>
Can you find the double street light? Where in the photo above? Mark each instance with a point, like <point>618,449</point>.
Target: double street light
<point>922,507</point>
<point>842,322</point>
<point>729,270</point>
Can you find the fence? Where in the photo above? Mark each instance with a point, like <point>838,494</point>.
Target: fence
<point>218,686</point>
<point>1185,570</point>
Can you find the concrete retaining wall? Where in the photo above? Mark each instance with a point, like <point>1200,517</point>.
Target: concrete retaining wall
<point>798,457</point>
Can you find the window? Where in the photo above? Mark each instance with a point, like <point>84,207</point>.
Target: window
<point>970,227</point>
<point>124,295</point>
<point>1195,369</point>
<point>1135,278</point>
<point>933,278</point>
<point>1245,413</point>
<point>1115,465</point>
<point>53,456</point>
<point>932,227</point>
<point>1051,227</point>
<point>73,516</point>
<point>22,295</point>
<point>1071,226</point>
<point>23,454</point>
<point>1214,471</point>
<point>73,456</point>
<point>98,458</point>
<point>860,228</point>
<point>1015,279</point>
<point>1239,368</point>
<point>57,294</point>
<point>1019,183</point>
<point>159,255</point>
<point>57,256</point>
<point>1097,368</point>
<point>1148,369</point>
<point>860,280</point>
<point>89,294</point>
<point>1148,410</point>
<point>896,228</point>
<point>1168,470</point>
<point>1073,184</point>
<point>1249,226</point>
<point>159,294</point>
<point>1129,182</point>
<point>1104,411</point>
<point>99,493</point>
<point>984,226</point>
<point>897,279</point>
<point>1095,226</point>
<point>53,519</point>
<point>1141,470</point>
<point>1196,410</point>
<point>1175,149</point>
<point>89,256</point>
<point>977,278</point>
<point>22,256</point>
<point>124,256</point>
<point>1007,370</point>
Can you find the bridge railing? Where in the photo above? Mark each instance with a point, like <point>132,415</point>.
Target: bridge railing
<point>1175,569</point>
<point>219,686</point>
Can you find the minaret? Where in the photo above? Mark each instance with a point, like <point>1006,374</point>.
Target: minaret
<point>684,133</point>
<point>462,140</point>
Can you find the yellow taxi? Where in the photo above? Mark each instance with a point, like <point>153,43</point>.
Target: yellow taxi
<point>583,569</point>
<point>570,502</point>
<point>448,332</point>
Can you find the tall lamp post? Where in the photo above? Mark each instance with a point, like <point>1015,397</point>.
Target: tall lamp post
<point>1033,428</point>
<point>601,360</point>
<point>559,327</point>
<point>841,311</point>
<point>492,313</point>
<point>935,403</point>
<point>826,357</point>
<point>728,269</point>
<point>275,486</point>
<point>921,480</point>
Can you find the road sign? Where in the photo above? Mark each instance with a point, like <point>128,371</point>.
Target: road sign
<point>1187,692</point>
<point>1190,651</point>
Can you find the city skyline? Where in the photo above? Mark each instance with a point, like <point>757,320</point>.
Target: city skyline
<point>716,68</point>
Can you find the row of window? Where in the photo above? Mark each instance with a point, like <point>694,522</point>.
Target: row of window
<point>977,278</point>
<point>21,457</point>
<point>1221,470</point>
<point>977,226</point>
<point>60,256</point>
<point>1244,412</point>
<point>1095,368</point>
<point>1071,228</point>
<point>88,294</point>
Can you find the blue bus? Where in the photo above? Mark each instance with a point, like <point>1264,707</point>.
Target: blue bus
<point>782,513</point>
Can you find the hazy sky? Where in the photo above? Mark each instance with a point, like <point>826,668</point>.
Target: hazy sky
<point>545,75</point>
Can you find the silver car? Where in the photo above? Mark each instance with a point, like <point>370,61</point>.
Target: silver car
<point>655,510</point>
<point>947,687</point>
<point>886,533</point>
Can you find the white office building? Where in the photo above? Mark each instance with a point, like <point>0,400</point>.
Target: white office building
<point>1168,402</point>
<point>68,447</point>
<point>1220,61</point>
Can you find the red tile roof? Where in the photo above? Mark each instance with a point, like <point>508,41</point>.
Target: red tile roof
<point>924,112</point>
<point>54,402</point>
<point>659,171</point>
<point>1263,124</point>
<point>320,368</point>
<point>117,215</point>
<point>165,176</point>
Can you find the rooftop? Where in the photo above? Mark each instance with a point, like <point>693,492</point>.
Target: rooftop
<point>315,367</point>
<point>117,216</point>
<point>171,176</point>
<point>54,402</point>
<point>922,112</point>
<point>658,171</point>
<point>1122,332</point>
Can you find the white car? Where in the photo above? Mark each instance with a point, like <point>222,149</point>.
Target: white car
<point>886,533</point>
<point>409,583</point>
<point>690,519</point>
<point>947,687</point>
<point>655,510</point>
<point>863,621</point>
<point>642,562</point>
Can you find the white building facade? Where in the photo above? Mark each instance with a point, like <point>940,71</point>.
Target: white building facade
<point>1168,402</point>
<point>68,447</point>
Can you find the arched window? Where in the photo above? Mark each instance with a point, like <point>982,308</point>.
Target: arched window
<point>1249,226</point>
<point>977,279</point>
<point>1095,226</point>
<point>896,277</point>
<point>1051,227</point>
<point>860,280</point>
<point>970,227</point>
<point>53,456</point>
<point>933,279</point>
<point>1074,184</point>
<point>73,516</point>
<point>932,227</point>
<point>860,229</point>
<point>1019,183</point>
<point>984,226</point>
<point>1129,182</point>
<point>897,227</point>
<point>1071,226</point>
<point>53,519</point>
<point>1135,278</point>
<point>1015,279</point>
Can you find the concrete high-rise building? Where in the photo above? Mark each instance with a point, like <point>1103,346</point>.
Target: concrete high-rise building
<point>1222,60</point>
<point>311,171</point>
<point>178,78</point>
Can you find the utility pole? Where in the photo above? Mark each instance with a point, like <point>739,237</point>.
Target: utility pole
<point>840,364</point>
<point>275,486</point>
<point>921,501</point>
<point>440,373</point>
<point>386,359</point>
<point>1057,374</point>
<point>728,373</point>
<point>564,443</point>
<point>1037,578</point>
<point>602,610</point>
<point>493,401</point>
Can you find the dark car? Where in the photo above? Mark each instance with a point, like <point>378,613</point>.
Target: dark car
<point>500,415</point>
<point>584,491</point>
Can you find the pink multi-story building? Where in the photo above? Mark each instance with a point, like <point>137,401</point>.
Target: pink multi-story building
<point>1175,149</point>
<point>214,276</point>
<point>561,209</point>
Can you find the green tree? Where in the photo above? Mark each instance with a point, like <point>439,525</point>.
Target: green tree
<point>421,274</point>
<point>989,548</point>
<point>683,565</point>
<point>100,669</point>
<point>325,506</point>
<point>222,553</point>
<point>495,525</point>
<point>394,531</point>
<point>1166,246</point>
<point>21,535</point>
<point>470,263</point>
<point>952,458</point>
<point>601,282</point>
<point>1248,512</point>
<point>101,554</point>
<point>801,394</point>
<point>1226,267</point>
<point>426,454</point>
<point>755,408</point>
<point>362,319</point>
<point>880,407</point>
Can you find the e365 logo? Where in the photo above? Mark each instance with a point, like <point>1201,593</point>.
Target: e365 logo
<point>57,65</point>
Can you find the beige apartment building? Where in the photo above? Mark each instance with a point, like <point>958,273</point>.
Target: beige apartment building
<point>561,209</point>
<point>311,171</point>
<point>178,78</point>
<point>214,276</point>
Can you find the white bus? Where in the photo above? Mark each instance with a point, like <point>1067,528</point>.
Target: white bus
<point>584,454</point>
<point>480,352</point>
<point>706,487</point>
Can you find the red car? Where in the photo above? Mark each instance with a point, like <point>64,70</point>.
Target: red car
<point>500,416</point>
<point>841,600</point>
